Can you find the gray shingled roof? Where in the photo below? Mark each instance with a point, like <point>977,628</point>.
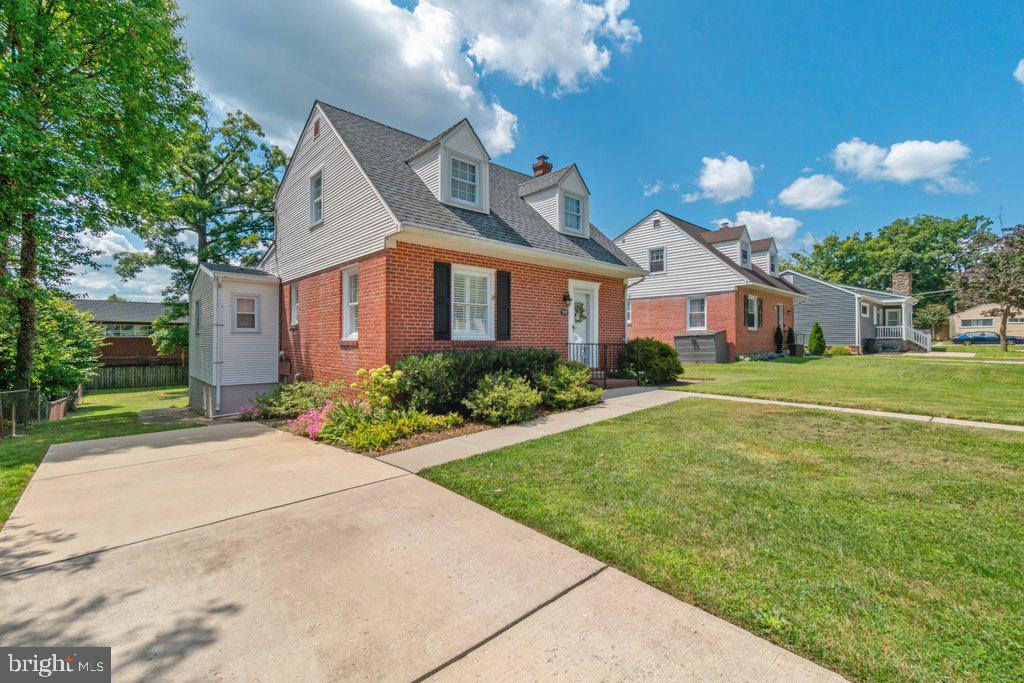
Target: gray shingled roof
<point>382,152</point>
<point>752,274</point>
<point>236,270</point>
<point>543,182</point>
<point>724,234</point>
<point>142,312</point>
<point>432,142</point>
<point>763,244</point>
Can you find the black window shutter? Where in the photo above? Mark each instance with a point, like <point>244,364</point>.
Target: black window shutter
<point>442,300</point>
<point>504,306</point>
<point>760,312</point>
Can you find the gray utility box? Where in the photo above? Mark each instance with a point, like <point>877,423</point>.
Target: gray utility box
<point>702,347</point>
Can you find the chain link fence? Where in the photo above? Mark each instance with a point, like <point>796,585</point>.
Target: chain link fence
<point>23,407</point>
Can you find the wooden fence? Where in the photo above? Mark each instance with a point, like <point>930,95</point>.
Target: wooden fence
<point>138,376</point>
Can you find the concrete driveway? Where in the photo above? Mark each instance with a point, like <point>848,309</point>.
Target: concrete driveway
<point>235,551</point>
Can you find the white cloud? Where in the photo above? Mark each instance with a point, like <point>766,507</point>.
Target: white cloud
<point>814,192</point>
<point>906,162</point>
<point>723,180</point>
<point>765,224</point>
<point>101,283</point>
<point>1018,73</point>
<point>417,69</point>
<point>651,189</point>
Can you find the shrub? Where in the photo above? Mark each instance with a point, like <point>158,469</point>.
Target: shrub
<point>839,351</point>
<point>650,361</point>
<point>311,422</point>
<point>288,401</point>
<point>568,386</point>
<point>778,339</point>
<point>790,336</point>
<point>376,389</point>
<point>816,344</point>
<point>502,398</point>
<point>439,382</point>
<point>248,413</point>
<point>358,431</point>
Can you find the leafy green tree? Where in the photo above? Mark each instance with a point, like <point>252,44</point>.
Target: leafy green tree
<point>216,204</point>
<point>816,343</point>
<point>67,345</point>
<point>168,338</point>
<point>930,248</point>
<point>115,297</point>
<point>93,94</point>
<point>996,278</point>
<point>929,317</point>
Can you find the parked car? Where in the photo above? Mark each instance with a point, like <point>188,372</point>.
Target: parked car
<point>983,338</point>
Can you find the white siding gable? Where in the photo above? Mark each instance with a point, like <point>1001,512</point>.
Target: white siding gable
<point>762,259</point>
<point>355,218</point>
<point>550,203</point>
<point>689,267</point>
<point>545,203</point>
<point>730,249</point>
<point>428,168</point>
<point>434,167</point>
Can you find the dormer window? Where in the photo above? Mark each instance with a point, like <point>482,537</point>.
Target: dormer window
<point>773,263</point>
<point>572,214</point>
<point>464,183</point>
<point>744,254</point>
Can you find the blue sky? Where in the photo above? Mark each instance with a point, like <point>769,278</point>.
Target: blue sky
<point>866,112</point>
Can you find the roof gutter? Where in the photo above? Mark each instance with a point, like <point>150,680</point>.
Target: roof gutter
<point>421,234</point>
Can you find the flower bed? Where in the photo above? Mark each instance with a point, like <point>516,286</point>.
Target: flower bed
<point>440,394</point>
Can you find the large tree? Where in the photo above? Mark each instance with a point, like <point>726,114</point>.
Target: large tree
<point>93,95</point>
<point>996,278</point>
<point>216,204</point>
<point>931,248</point>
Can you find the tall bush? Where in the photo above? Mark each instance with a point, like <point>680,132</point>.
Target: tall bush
<point>650,361</point>
<point>816,344</point>
<point>503,398</point>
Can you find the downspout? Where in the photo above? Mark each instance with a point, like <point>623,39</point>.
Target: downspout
<point>856,324</point>
<point>216,345</point>
<point>628,285</point>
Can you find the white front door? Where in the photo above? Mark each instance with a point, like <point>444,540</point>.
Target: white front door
<point>582,328</point>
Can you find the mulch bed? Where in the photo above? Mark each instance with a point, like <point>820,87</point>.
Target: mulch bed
<point>423,438</point>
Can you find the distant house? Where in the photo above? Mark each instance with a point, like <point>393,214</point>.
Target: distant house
<point>388,244</point>
<point>701,282</point>
<point>127,326</point>
<point>850,316</point>
<point>973,320</point>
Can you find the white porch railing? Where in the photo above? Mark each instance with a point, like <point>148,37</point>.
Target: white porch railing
<point>919,337</point>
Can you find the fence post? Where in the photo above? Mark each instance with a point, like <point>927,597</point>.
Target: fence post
<point>14,419</point>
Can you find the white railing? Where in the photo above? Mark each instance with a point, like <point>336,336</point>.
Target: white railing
<point>919,337</point>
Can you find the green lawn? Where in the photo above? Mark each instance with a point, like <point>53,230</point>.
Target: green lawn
<point>101,414</point>
<point>883,549</point>
<point>972,391</point>
<point>984,351</point>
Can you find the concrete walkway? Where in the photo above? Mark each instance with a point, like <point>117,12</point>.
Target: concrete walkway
<point>239,552</point>
<point>617,402</point>
<point>860,411</point>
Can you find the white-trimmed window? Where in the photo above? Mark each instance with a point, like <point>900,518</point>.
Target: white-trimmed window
<point>878,315</point>
<point>780,315</point>
<point>128,331</point>
<point>293,314</point>
<point>245,313</point>
<point>350,294</point>
<point>744,254</point>
<point>750,313</point>
<point>978,322</point>
<point>197,315</point>
<point>696,313</point>
<point>572,213</point>
<point>629,311</point>
<point>316,198</point>
<point>472,303</point>
<point>1016,321</point>
<point>464,180</point>
<point>865,310</point>
<point>773,263</point>
<point>656,260</point>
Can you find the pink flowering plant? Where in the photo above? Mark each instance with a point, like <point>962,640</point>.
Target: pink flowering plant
<point>310,423</point>
<point>248,413</point>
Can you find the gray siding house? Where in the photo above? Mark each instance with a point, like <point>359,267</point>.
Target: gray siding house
<point>849,316</point>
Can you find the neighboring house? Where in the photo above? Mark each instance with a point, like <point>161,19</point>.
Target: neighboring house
<point>704,281</point>
<point>388,244</point>
<point>127,326</point>
<point>849,316</point>
<point>973,320</point>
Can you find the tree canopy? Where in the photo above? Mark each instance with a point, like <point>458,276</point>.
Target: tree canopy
<point>931,248</point>
<point>996,276</point>
<point>216,204</point>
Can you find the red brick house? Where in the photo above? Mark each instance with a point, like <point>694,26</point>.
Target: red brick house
<point>388,244</point>
<point>127,326</point>
<point>703,281</point>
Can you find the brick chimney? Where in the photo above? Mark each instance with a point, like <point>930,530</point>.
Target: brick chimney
<point>723,225</point>
<point>901,283</point>
<point>541,166</point>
